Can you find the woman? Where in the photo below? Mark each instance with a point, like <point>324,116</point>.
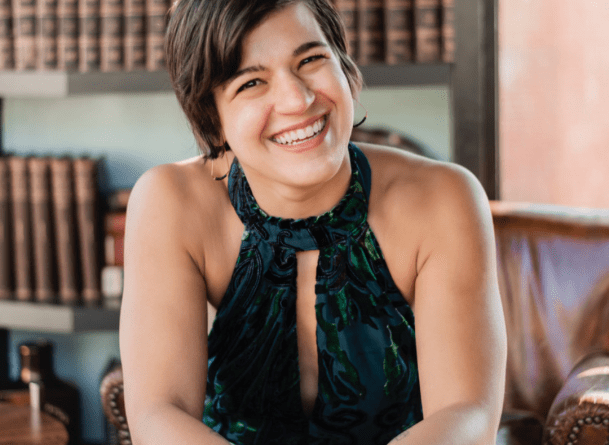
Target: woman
<point>317,254</point>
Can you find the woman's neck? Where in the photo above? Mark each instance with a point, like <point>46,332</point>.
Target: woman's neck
<point>294,202</point>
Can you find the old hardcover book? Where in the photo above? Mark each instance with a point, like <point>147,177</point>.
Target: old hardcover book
<point>114,240</point>
<point>399,29</point>
<point>448,31</point>
<point>62,190</point>
<point>371,32</point>
<point>135,35</point>
<point>42,229</point>
<point>24,34</point>
<point>115,222</point>
<point>67,39</point>
<point>22,236</point>
<point>85,185</point>
<point>6,286</point>
<point>428,48</point>
<point>112,56</point>
<point>156,21</point>
<point>47,31</point>
<point>114,247</point>
<point>349,14</point>
<point>7,60</point>
<point>89,23</point>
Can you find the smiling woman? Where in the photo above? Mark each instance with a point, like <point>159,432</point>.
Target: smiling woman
<point>318,256</point>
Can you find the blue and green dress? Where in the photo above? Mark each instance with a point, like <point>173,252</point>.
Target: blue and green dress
<point>368,380</point>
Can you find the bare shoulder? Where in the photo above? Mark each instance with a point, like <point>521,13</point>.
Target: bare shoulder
<point>417,204</point>
<point>422,186</point>
<point>178,199</point>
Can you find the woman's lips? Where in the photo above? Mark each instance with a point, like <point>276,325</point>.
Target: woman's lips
<point>302,134</point>
<point>308,143</point>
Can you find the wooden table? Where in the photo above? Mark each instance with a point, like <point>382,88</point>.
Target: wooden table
<point>20,425</point>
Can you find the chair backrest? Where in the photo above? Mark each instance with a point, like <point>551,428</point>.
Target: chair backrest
<point>553,265</point>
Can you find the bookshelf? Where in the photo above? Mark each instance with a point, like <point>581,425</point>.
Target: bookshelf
<point>57,319</point>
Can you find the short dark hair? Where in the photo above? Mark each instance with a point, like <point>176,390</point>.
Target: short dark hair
<point>203,45</point>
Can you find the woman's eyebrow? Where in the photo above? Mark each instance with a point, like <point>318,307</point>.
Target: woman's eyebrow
<point>307,46</point>
<point>241,72</point>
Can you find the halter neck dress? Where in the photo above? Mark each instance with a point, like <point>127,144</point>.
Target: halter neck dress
<point>368,384</point>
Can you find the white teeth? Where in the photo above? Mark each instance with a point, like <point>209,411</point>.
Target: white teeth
<point>293,137</point>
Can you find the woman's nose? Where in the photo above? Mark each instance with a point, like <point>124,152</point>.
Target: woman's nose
<point>293,95</point>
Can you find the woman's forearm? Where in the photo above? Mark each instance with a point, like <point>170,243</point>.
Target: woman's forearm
<point>168,425</point>
<point>456,425</point>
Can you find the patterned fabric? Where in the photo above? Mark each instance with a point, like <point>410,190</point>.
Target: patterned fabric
<point>368,385</point>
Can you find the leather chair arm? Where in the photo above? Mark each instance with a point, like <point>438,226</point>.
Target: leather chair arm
<point>580,411</point>
<point>113,403</point>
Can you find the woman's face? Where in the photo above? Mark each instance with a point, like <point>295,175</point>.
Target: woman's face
<point>288,113</point>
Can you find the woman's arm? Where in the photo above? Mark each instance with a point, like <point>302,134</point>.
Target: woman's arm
<point>163,327</point>
<point>459,321</point>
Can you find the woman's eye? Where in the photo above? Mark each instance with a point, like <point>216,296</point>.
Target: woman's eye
<point>250,84</point>
<point>311,59</point>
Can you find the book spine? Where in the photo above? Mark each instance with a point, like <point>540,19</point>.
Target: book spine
<point>448,31</point>
<point>115,222</point>
<point>62,189</point>
<point>89,23</point>
<point>47,30</point>
<point>371,32</point>
<point>7,60</point>
<point>24,34</point>
<point>114,241</point>
<point>114,246</point>
<point>428,48</point>
<point>112,56</point>
<point>399,27</point>
<point>42,229</point>
<point>6,288</point>
<point>67,39</point>
<point>348,12</point>
<point>135,35</point>
<point>156,21</point>
<point>85,181</point>
<point>21,228</point>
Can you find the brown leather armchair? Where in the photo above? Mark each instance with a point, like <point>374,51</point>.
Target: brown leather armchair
<point>553,266</point>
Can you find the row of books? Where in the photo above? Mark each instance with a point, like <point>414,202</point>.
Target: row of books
<point>127,35</point>
<point>50,245</point>
<point>82,35</point>
<point>396,32</point>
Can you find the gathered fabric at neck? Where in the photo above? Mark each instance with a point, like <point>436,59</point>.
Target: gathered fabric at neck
<point>345,219</point>
<point>368,385</point>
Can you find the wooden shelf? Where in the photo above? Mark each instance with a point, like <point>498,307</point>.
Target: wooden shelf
<point>61,84</point>
<point>56,318</point>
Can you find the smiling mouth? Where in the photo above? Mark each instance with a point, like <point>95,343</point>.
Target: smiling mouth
<point>302,134</point>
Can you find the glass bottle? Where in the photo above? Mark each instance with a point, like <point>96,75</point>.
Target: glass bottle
<point>61,398</point>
